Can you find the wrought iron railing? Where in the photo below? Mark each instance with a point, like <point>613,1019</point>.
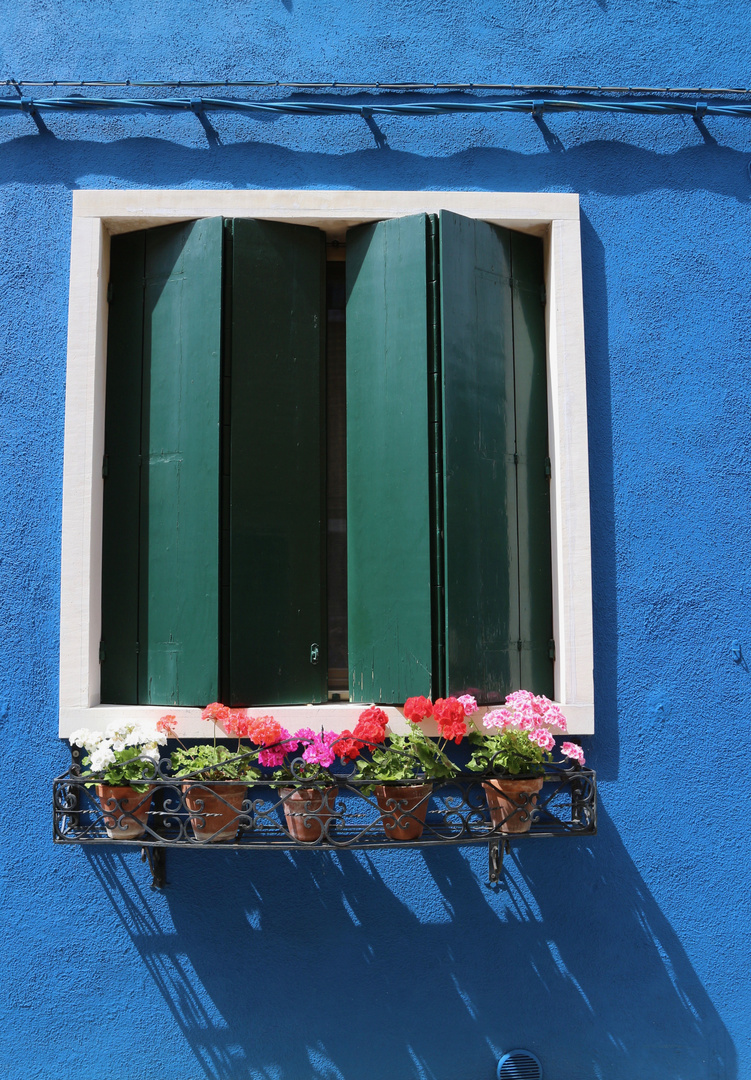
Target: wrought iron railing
<point>349,814</point>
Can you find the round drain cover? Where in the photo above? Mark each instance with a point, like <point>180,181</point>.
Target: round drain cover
<point>519,1065</point>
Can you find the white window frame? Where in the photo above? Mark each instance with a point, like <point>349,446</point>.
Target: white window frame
<point>97,215</point>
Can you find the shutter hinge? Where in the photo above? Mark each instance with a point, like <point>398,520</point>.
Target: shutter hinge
<point>138,647</point>
<point>105,466</point>
<point>547,466</point>
<point>543,295</point>
<point>519,645</point>
<point>551,649</point>
<point>110,291</point>
<point>516,459</point>
<point>314,653</point>
<point>102,654</point>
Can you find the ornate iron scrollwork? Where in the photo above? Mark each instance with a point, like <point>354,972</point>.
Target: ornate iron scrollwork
<point>296,814</point>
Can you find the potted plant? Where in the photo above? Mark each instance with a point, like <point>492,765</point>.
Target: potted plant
<point>215,778</point>
<point>122,761</point>
<point>309,805</point>
<point>402,771</point>
<point>516,743</point>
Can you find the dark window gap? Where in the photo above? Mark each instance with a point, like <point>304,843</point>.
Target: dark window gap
<point>336,480</point>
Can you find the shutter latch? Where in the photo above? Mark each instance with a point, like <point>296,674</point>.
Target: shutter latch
<point>315,652</point>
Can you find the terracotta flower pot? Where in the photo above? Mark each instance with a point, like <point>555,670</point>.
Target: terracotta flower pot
<point>511,802</point>
<point>403,809</point>
<point>216,809</point>
<point>307,810</point>
<point>128,810</point>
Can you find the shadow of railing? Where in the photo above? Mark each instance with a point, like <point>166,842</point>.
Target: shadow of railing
<point>405,963</point>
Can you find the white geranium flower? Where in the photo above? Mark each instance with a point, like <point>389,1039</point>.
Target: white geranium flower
<point>102,757</point>
<point>85,738</point>
<point>117,732</point>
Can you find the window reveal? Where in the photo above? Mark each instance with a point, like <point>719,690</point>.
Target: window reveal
<point>448,518</point>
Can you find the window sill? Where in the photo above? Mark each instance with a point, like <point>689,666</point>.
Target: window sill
<point>333,717</point>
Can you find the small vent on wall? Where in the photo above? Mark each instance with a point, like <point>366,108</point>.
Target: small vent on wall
<point>519,1065</point>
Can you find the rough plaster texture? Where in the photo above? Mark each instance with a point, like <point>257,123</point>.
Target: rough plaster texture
<point>621,959</point>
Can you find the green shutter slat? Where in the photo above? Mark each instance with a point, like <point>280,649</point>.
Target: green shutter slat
<point>179,572</point>
<point>277,462</point>
<point>481,553</point>
<point>119,671</point>
<point>533,486</point>
<point>388,462</point>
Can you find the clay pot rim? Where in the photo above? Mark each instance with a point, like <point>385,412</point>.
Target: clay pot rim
<point>213,785</point>
<point>101,788</point>
<point>403,783</point>
<point>494,780</point>
<point>321,790</point>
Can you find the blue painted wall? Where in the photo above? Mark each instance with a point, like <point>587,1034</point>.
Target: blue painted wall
<point>624,958</point>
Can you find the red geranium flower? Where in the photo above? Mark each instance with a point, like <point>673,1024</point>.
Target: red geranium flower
<point>417,708</point>
<point>371,726</point>
<point>166,725</point>
<point>347,748</point>
<point>215,711</point>
<point>235,723</point>
<point>264,730</point>
<point>449,714</point>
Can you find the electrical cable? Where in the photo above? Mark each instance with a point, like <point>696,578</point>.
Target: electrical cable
<point>534,106</point>
<point>381,86</point>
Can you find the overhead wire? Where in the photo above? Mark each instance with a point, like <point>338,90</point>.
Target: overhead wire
<point>315,107</point>
<point>384,86</point>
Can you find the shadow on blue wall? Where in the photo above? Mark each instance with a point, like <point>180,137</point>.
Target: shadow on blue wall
<point>604,752</point>
<point>599,166</point>
<point>404,964</point>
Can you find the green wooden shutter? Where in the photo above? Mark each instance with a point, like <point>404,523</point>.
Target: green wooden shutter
<point>533,485</point>
<point>388,462</point>
<point>498,596</point>
<point>277,465</point>
<point>180,466</point>
<point>160,573</point>
<point>122,443</point>
<point>480,538</point>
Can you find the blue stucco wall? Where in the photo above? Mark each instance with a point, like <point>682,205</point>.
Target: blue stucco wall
<point>623,958</point>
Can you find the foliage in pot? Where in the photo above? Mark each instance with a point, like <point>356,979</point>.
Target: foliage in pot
<point>122,764</point>
<point>403,769</point>
<point>207,771</point>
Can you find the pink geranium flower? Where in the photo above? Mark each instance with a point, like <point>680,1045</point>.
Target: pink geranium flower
<point>572,750</point>
<point>542,737</point>
<point>274,755</point>
<point>468,703</point>
<point>498,718</point>
<point>319,750</point>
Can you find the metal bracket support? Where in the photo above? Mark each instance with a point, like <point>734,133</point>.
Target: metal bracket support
<point>157,860</point>
<point>75,760</point>
<point>497,848</point>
